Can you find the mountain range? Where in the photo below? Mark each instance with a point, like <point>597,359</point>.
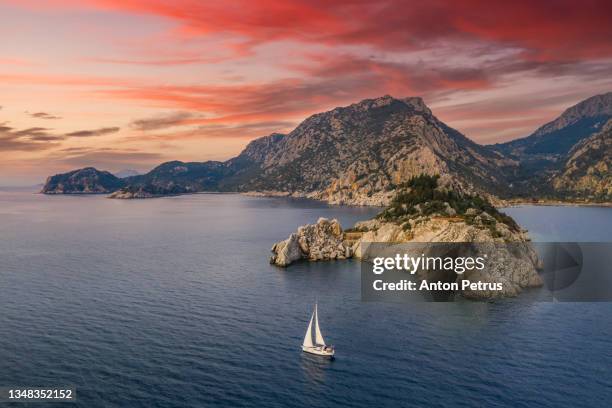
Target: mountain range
<point>361,153</point>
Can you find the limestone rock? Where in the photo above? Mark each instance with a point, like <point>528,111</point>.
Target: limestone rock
<point>315,242</point>
<point>514,265</point>
<point>287,251</point>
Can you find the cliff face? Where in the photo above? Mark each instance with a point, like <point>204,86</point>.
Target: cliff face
<point>83,181</point>
<point>587,173</point>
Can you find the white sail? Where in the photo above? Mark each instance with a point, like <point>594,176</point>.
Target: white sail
<point>308,338</point>
<point>318,335</point>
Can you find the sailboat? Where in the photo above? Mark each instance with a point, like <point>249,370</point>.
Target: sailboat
<point>318,347</point>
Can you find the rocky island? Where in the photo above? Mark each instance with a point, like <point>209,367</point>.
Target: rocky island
<point>426,211</point>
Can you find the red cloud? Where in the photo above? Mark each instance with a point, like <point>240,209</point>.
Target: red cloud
<point>558,30</point>
<point>328,83</point>
<point>547,38</point>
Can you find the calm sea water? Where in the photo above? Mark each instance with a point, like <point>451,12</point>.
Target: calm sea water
<point>172,303</point>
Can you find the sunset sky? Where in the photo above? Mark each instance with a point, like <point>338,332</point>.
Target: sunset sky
<point>121,84</point>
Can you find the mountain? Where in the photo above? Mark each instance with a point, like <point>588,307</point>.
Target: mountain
<point>362,153</point>
<point>354,155</point>
<point>83,181</point>
<point>358,154</point>
<point>587,172</point>
<point>542,155</point>
<point>555,139</point>
<point>125,173</point>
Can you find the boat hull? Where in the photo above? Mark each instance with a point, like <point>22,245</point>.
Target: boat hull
<point>319,351</point>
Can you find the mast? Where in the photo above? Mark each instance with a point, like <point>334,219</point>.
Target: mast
<point>318,335</point>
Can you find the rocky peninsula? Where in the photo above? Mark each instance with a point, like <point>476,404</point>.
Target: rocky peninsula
<point>83,181</point>
<point>425,212</point>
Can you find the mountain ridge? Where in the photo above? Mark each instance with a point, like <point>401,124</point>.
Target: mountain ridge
<point>574,124</point>
<point>587,172</point>
<point>337,155</point>
<point>360,153</point>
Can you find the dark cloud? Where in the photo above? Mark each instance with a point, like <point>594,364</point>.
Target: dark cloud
<point>162,121</point>
<point>559,30</point>
<point>41,138</point>
<point>33,131</point>
<point>93,132</point>
<point>44,115</point>
<point>30,139</point>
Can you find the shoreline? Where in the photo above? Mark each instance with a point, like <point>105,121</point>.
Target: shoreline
<point>554,204</point>
<point>301,195</point>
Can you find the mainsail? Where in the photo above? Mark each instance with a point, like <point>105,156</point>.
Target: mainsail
<point>319,336</point>
<point>308,337</point>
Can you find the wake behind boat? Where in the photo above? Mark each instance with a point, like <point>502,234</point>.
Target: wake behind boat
<point>318,347</point>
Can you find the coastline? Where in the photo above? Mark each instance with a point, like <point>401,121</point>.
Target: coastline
<point>553,203</point>
<point>497,203</point>
<point>301,195</point>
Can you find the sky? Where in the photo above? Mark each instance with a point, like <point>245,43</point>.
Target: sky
<point>129,84</point>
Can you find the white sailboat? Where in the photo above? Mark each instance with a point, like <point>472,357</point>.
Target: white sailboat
<point>318,347</point>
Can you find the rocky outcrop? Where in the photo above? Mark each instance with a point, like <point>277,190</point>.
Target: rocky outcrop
<point>315,242</point>
<point>512,260</point>
<point>425,214</point>
<point>83,181</point>
<point>286,252</point>
<point>513,265</point>
<point>428,212</point>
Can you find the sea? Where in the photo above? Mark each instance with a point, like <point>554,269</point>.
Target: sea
<point>171,302</point>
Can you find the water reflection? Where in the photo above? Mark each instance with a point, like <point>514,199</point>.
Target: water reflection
<point>314,368</point>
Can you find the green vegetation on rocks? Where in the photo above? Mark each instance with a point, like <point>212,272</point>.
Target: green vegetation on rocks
<point>421,197</point>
